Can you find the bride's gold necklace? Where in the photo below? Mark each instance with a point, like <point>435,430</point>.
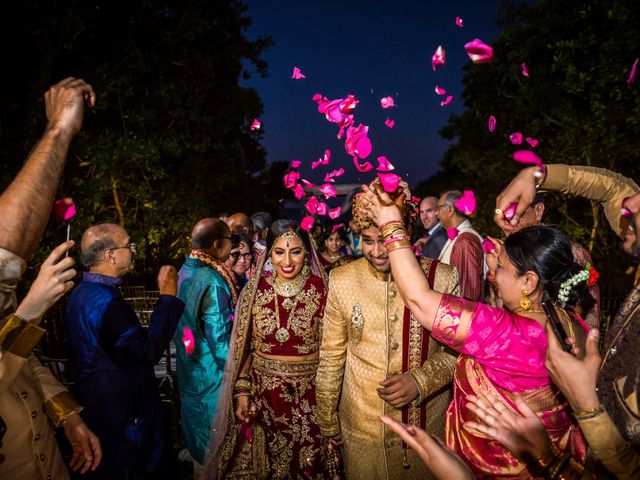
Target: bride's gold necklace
<point>287,290</point>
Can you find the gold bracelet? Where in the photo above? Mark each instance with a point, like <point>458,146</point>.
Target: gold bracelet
<point>398,246</point>
<point>389,228</point>
<point>590,413</point>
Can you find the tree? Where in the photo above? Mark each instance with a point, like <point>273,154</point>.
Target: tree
<point>576,102</point>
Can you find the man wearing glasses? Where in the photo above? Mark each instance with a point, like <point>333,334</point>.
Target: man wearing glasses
<point>208,290</point>
<point>114,357</point>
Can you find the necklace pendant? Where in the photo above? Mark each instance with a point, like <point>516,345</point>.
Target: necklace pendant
<point>282,335</point>
<point>288,304</point>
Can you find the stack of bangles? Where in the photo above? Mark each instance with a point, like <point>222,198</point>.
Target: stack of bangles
<point>395,235</point>
<point>242,386</point>
<point>557,464</point>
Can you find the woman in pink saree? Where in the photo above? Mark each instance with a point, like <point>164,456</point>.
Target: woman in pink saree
<point>502,349</point>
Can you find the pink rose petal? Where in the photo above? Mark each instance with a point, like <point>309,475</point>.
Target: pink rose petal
<point>307,223</point>
<point>338,226</point>
<point>188,341</point>
<point>329,178</point>
<point>447,101</point>
<point>387,102</point>
<point>626,213</point>
<point>328,191</point>
<point>389,123</point>
<point>298,191</point>
<point>440,91</point>
<point>312,205</point>
<point>492,123</point>
<point>291,178</point>
<point>307,183</point>
<point>532,141</point>
<point>632,74</point>
<point>525,72</point>
<point>384,165</point>
<point>348,105</point>
<point>467,203</point>
<point>64,209</point>
<point>322,208</point>
<point>515,138</point>
<point>315,164</point>
<point>296,164</point>
<point>510,211</point>
<point>338,172</point>
<point>362,168</point>
<point>528,157</point>
<point>333,214</point>
<point>478,51</point>
<point>297,74</point>
<point>389,181</point>
<point>459,22</point>
<point>438,58</point>
<point>357,142</point>
<point>488,246</point>
<point>256,124</point>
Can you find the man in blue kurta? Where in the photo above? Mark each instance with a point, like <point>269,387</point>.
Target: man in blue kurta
<point>202,336</point>
<point>114,358</point>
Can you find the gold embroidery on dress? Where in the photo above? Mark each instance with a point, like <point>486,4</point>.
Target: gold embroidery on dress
<point>357,322</point>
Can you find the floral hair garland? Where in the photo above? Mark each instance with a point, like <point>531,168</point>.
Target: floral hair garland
<point>589,275</point>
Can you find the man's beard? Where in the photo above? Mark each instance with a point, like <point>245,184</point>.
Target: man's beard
<point>385,269</point>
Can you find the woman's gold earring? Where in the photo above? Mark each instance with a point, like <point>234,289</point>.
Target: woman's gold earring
<point>525,303</point>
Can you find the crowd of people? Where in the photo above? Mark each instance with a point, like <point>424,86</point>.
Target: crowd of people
<point>404,346</point>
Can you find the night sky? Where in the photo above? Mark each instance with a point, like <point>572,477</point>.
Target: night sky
<point>370,49</point>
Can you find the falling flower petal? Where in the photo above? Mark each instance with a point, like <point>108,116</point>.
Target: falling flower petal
<point>459,22</point>
<point>528,157</point>
<point>296,164</point>
<point>467,203</point>
<point>322,208</point>
<point>256,124</point>
<point>333,214</point>
<point>384,165</point>
<point>632,74</point>
<point>297,74</point>
<point>389,123</point>
<point>328,191</point>
<point>510,211</point>
<point>307,183</point>
<point>365,167</point>
<point>291,178</point>
<point>492,123</point>
<point>515,138</point>
<point>415,199</point>
<point>532,141</point>
<point>348,105</point>
<point>307,223</point>
<point>440,91</point>
<point>446,101</point>
<point>315,164</point>
<point>626,213</point>
<point>188,341</point>
<point>387,102</point>
<point>64,209</point>
<point>338,172</point>
<point>329,178</point>
<point>438,58</point>
<point>336,111</point>
<point>389,181</point>
<point>488,246</point>
<point>357,143</point>
<point>525,72</point>
<point>312,205</point>
<point>478,51</point>
<point>298,191</point>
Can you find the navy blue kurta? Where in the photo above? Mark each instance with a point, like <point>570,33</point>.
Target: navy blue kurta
<point>115,382</point>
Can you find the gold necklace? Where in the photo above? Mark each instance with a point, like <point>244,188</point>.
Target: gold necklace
<point>282,334</point>
<point>522,311</point>
<point>291,288</point>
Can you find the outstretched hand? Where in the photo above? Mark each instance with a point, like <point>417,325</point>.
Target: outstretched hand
<point>65,104</point>
<point>440,459</point>
<point>576,378</point>
<point>379,206</point>
<point>523,434</point>
<point>522,191</point>
<point>53,281</point>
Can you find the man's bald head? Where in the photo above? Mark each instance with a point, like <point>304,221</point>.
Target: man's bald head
<point>207,231</point>
<point>240,223</point>
<point>97,239</point>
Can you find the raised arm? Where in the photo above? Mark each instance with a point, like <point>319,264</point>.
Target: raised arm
<point>27,201</point>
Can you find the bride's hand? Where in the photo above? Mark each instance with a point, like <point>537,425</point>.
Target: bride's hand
<point>379,207</point>
<point>243,408</point>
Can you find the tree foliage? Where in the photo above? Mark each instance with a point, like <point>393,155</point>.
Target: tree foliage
<point>576,102</point>
<point>168,141</point>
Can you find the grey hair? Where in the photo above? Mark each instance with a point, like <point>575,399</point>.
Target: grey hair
<point>450,198</point>
<point>262,220</point>
<point>92,254</point>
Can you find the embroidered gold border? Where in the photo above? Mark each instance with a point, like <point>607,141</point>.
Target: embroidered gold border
<point>19,336</point>
<point>60,406</point>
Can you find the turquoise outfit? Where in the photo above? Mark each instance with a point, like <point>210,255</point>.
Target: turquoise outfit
<point>208,314</point>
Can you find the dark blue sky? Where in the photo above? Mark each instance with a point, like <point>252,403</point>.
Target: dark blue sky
<point>360,47</point>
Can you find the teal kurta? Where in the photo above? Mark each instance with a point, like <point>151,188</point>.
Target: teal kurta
<point>208,314</point>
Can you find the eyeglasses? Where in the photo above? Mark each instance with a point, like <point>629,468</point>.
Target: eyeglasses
<point>131,246</point>
<point>438,207</point>
<point>236,256</point>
